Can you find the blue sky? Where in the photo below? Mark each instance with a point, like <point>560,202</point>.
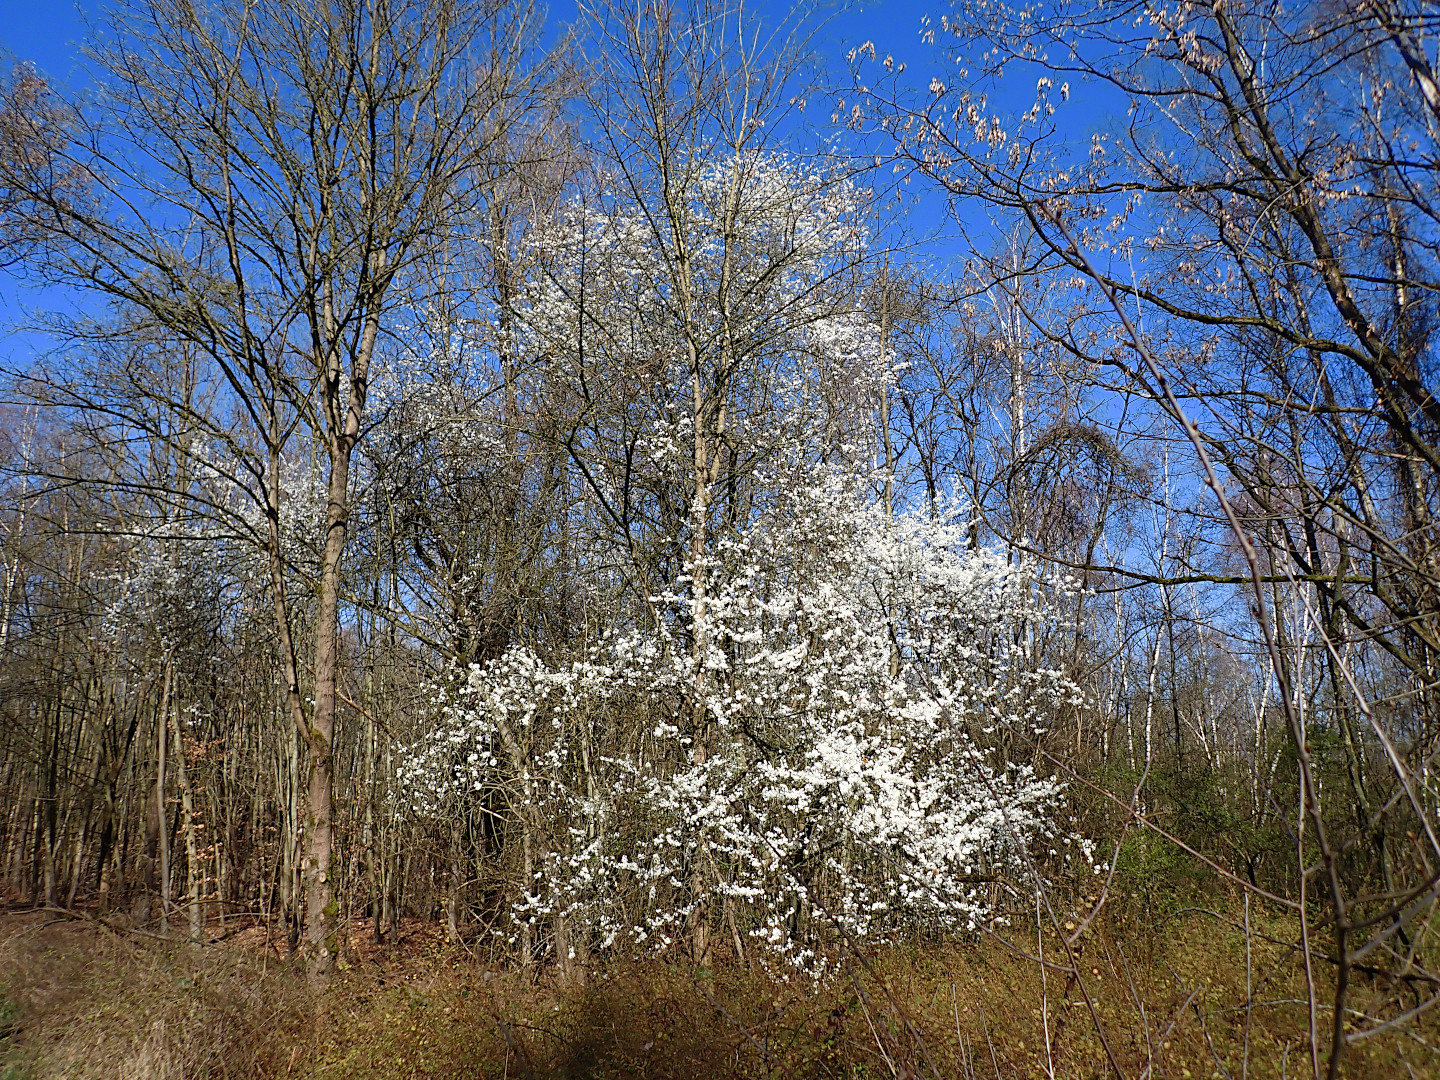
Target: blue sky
<point>45,33</point>
<point>48,36</point>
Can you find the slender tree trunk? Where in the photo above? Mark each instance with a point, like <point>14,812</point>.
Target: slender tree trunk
<point>162,736</point>
<point>193,876</point>
<point>321,910</point>
<point>453,872</point>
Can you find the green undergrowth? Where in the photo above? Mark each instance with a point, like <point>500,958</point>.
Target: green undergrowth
<point>78,1000</point>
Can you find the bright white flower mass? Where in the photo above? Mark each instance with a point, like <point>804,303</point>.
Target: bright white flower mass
<point>840,781</point>
<point>801,735</point>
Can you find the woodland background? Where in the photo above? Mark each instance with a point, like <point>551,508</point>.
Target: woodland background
<point>717,534</point>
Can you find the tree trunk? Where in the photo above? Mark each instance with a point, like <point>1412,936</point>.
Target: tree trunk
<point>193,877</point>
<point>162,734</point>
<point>320,909</point>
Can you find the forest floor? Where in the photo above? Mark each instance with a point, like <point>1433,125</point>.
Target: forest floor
<point>78,999</point>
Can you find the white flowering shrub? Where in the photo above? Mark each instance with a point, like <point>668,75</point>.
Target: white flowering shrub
<point>160,593</point>
<point>771,245</point>
<point>841,780</point>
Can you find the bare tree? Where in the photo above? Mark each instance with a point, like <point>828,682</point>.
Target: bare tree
<point>267,182</point>
<point>1256,238</point>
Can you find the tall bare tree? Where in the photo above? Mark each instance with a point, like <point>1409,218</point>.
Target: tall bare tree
<point>1255,259</point>
<point>266,182</point>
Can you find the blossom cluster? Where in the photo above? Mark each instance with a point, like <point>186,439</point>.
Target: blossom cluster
<point>826,768</point>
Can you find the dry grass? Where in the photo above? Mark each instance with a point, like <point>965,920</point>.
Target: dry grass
<point>89,1002</point>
